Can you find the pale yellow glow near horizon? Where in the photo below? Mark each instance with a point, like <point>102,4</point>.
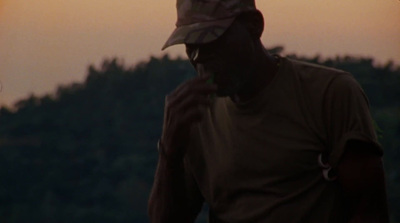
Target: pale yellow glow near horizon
<point>49,42</point>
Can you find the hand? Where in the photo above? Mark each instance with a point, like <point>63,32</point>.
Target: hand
<point>184,107</point>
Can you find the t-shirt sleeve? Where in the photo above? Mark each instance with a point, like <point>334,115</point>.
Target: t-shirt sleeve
<point>347,118</point>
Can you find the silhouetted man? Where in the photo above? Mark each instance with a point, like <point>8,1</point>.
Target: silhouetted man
<point>283,141</point>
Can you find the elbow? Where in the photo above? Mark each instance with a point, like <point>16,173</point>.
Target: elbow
<point>151,210</point>
<point>360,174</point>
<point>154,209</point>
<point>362,179</point>
<point>159,213</point>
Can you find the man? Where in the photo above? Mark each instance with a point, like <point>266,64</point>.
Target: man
<point>284,141</point>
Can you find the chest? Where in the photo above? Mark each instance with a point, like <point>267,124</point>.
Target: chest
<point>270,145</point>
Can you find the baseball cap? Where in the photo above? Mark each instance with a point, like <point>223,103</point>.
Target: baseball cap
<point>203,21</point>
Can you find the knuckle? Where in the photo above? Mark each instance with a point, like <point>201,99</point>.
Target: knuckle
<point>167,100</point>
<point>193,97</point>
<point>172,113</point>
<point>184,90</point>
<point>201,100</point>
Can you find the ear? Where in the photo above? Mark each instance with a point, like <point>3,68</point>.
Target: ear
<point>254,22</point>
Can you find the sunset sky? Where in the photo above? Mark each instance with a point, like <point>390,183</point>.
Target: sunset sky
<point>45,43</point>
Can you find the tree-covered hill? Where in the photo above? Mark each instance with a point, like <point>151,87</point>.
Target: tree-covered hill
<point>87,153</point>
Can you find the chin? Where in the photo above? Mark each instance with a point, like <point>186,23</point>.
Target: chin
<point>222,93</point>
<point>225,92</point>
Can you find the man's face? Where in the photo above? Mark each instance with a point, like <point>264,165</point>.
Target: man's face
<point>229,58</point>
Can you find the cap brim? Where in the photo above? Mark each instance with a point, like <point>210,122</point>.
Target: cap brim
<point>198,33</point>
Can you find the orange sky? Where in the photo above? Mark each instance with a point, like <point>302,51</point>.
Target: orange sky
<point>44,43</point>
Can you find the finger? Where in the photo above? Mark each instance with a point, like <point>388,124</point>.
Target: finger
<point>167,106</point>
<point>191,116</point>
<point>188,82</point>
<point>192,88</point>
<point>193,101</point>
<point>197,90</point>
<point>205,88</point>
<point>200,88</point>
<point>193,81</point>
<point>202,72</point>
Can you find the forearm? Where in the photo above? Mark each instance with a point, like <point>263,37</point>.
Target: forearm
<point>368,211</point>
<point>371,206</point>
<point>362,178</point>
<point>168,202</point>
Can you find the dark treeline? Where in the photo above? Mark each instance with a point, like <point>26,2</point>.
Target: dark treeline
<point>87,153</point>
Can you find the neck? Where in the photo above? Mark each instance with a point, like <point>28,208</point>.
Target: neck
<point>265,69</point>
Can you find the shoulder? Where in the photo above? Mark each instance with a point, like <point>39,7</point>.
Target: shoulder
<point>310,72</point>
<point>346,89</point>
<point>322,80</point>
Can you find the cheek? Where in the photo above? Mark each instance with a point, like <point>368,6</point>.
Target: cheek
<point>236,62</point>
<point>242,55</point>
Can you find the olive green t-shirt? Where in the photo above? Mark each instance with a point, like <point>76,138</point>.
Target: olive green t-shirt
<point>257,161</point>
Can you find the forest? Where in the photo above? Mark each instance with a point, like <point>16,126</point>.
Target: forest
<point>87,152</point>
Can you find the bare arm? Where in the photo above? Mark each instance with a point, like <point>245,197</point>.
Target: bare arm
<point>361,175</point>
<point>174,197</point>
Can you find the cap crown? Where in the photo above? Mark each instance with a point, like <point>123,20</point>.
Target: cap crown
<point>197,11</point>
